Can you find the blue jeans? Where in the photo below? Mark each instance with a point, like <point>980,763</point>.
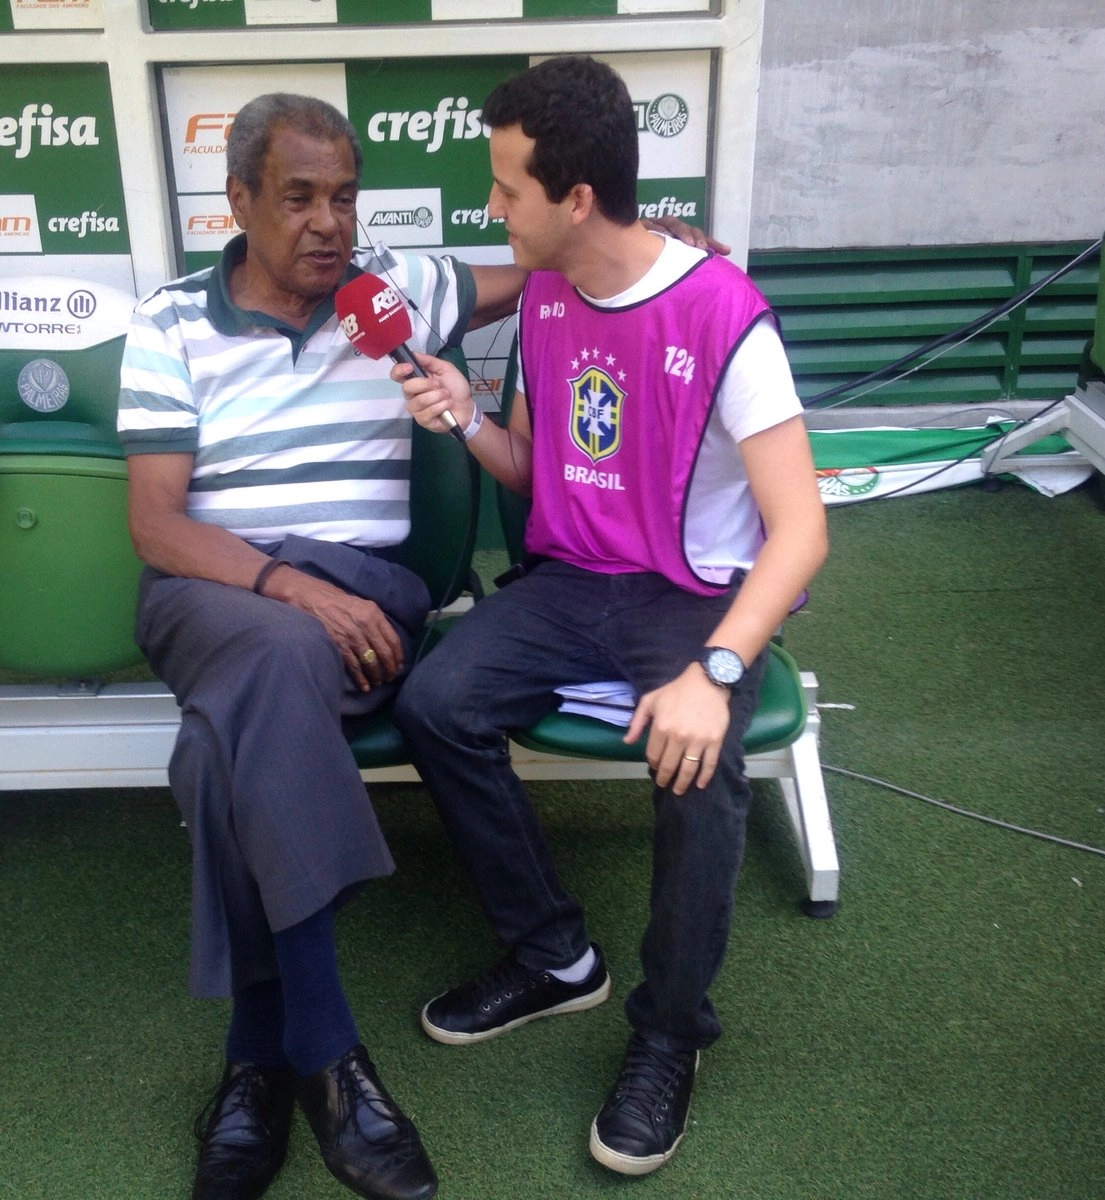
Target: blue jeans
<point>496,671</point>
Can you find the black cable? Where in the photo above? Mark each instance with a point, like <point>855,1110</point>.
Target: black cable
<point>962,812</point>
<point>964,333</point>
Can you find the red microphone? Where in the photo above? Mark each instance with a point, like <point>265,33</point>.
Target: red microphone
<point>375,319</point>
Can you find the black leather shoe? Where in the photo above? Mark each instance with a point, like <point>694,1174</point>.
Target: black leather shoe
<point>366,1141</point>
<point>507,996</point>
<point>642,1122</point>
<point>245,1138</point>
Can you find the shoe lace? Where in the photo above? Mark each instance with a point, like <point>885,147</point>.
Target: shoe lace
<point>649,1079</point>
<point>232,1095</point>
<point>503,981</point>
<point>404,1145</point>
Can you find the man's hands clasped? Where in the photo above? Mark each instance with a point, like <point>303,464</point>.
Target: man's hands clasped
<point>365,637</point>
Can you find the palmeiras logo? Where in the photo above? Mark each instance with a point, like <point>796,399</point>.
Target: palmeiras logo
<point>43,385</point>
<point>667,115</point>
<point>596,413</point>
<point>846,483</point>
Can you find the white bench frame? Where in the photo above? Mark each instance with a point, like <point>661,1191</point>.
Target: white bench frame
<point>120,735</point>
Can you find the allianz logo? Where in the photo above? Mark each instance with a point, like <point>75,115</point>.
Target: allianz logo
<point>80,303</point>
<point>38,125</point>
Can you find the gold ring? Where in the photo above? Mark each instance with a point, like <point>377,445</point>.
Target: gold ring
<point>369,657</point>
<point>691,758</point>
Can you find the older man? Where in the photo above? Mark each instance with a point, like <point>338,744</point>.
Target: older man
<point>267,462</point>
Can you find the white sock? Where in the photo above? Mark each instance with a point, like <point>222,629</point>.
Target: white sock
<point>578,971</point>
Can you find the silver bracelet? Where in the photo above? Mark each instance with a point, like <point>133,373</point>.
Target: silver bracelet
<point>473,427</point>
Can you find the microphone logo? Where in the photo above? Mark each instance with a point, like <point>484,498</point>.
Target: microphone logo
<point>351,329</point>
<point>386,300</point>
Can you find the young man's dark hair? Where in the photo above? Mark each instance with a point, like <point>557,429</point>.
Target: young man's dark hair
<point>580,114</point>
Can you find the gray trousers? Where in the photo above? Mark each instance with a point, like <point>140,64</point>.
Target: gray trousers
<point>279,817</point>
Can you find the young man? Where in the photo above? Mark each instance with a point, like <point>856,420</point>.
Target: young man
<point>676,521</point>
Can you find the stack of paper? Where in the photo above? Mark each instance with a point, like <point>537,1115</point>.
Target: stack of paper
<point>612,701</point>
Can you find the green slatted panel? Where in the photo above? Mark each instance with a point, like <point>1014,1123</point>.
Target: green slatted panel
<point>848,312</point>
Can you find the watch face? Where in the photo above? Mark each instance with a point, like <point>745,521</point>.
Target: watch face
<point>723,666</point>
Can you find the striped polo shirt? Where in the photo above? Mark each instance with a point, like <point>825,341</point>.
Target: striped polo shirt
<point>292,431</point>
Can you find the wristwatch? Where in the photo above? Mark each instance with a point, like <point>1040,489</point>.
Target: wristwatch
<point>722,666</point>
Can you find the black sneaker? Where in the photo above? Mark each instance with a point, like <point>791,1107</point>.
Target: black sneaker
<point>643,1120</point>
<point>507,996</point>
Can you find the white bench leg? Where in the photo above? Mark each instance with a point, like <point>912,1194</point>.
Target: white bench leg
<point>808,809</point>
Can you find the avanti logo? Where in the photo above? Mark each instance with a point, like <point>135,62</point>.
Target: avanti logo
<point>666,116</point>
<point>38,125</point>
<point>452,117</point>
<point>421,217</point>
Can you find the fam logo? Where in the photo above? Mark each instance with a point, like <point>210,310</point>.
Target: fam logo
<point>16,225</point>
<point>212,225</point>
<point>20,232</point>
<point>846,483</point>
<point>666,116</point>
<point>421,217</point>
<point>43,385</point>
<point>206,133</point>
<point>596,426</point>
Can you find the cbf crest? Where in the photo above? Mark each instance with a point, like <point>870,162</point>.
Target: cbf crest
<point>596,413</point>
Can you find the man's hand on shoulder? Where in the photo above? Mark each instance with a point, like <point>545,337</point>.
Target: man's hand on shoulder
<point>690,234</point>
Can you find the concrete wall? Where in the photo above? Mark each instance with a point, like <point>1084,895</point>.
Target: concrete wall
<point>929,122</point>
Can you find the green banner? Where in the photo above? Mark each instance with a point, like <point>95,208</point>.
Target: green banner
<point>59,162</point>
<point>221,14</point>
<point>419,123</point>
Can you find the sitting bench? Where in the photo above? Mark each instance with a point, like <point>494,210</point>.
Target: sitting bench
<point>70,578</point>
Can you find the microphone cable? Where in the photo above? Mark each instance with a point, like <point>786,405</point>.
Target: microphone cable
<point>962,812</point>
<point>455,581</point>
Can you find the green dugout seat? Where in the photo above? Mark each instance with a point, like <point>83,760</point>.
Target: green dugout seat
<point>69,577</point>
<point>779,719</point>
